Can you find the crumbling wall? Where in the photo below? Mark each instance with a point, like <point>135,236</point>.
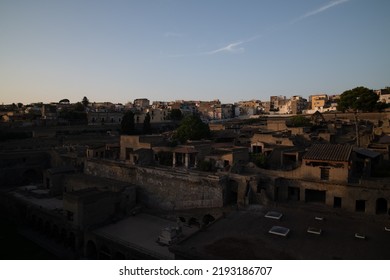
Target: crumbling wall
<point>163,188</point>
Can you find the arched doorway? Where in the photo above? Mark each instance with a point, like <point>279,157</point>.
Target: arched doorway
<point>381,206</point>
<point>91,252</point>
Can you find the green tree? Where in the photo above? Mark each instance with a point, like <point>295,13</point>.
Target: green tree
<point>298,121</point>
<point>358,99</point>
<point>64,101</point>
<point>259,159</point>
<point>192,128</point>
<point>147,127</point>
<point>79,107</point>
<point>175,115</point>
<point>85,101</point>
<point>127,124</point>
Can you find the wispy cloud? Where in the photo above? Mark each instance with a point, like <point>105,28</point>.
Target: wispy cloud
<point>231,48</point>
<point>235,47</point>
<point>320,10</point>
<point>238,46</point>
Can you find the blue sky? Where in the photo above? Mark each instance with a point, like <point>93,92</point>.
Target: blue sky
<point>166,50</point>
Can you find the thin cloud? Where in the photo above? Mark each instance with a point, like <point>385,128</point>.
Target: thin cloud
<point>320,10</point>
<point>231,48</point>
<point>237,47</point>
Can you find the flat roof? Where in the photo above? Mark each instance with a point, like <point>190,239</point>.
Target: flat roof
<point>49,203</point>
<point>141,231</point>
<point>246,235</point>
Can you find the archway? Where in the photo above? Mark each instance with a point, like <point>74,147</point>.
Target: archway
<point>381,206</point>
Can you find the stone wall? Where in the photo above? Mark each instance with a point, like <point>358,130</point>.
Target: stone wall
<point>347,194</point>
<point>164,188</point>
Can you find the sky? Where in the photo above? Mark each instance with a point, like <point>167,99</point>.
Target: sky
<point>166,50</point>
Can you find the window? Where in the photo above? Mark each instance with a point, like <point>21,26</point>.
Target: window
<point>360,206</point>
<point>337,202</point>
<point>325,174</point>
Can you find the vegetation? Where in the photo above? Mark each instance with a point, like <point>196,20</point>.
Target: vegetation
<point>192,128</point>
<point>85,101</point>
<point>298,121</point>
<point>64,100</point>
<point>359,99</point>
<point>76,114</point>
<point>175,115</point>
<point>127,124</point>
<point>147,127</point>
<point>259,159</point>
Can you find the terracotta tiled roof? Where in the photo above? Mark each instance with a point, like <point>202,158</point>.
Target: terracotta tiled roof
<point>329,152</point>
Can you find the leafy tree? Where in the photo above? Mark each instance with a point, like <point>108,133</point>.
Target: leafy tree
<point>192,128</point>
<point>358,99</point>
<point>127,124</point>
<point>64,100</point>
<point>20,105</point>
<point>175,115</point>
<point>259,159</point>
<point>298,121</point>
<point>147,127</point>
<point>79,107</point>
<point>380,106</point>
<point>85,101</point>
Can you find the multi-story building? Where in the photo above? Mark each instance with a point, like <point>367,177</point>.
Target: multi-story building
<point>318,101</point>
<point>276,102</point>
<point>141,103</point>
<point>384,95</point>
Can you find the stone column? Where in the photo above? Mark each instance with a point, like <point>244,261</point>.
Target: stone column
<point>186,160</point>
<point>174,160</point>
